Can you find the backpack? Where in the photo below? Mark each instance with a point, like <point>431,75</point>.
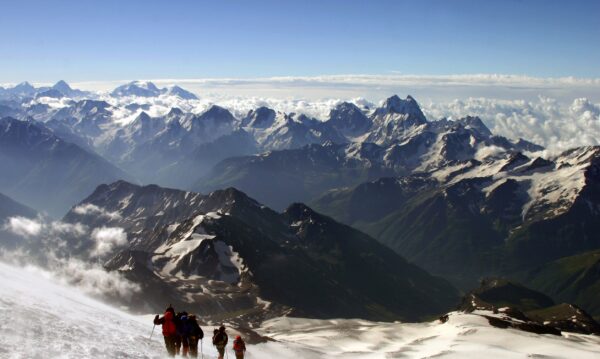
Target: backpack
<point>168,325</point>
<point>239,345</point>
<point>220,339</point>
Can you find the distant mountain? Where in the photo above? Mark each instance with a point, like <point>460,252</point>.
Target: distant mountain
<point>396,121</point>
<point>280,131</point>
<point>280,177</point>
<point>85,119</point>
<point>26,91</point>
<point>349,120</point>
<point>137,88</point>
<point>45,172</point>
<point>225,254</point>
<point>148,89</point>
<point>23,89</point>
<point>64,88</point>
<point>157,148</point>
<point>52,93</point>
<point>179,92</point>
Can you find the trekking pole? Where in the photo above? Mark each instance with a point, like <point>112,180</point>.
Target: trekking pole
<point>152,332</point>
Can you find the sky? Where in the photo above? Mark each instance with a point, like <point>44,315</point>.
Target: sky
<point>78,41</point>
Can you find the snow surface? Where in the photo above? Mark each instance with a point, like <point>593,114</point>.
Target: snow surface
<point>41,318</point>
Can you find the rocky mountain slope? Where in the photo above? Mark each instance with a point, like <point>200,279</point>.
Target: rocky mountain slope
<point>516,306</point>
<point>224,254</point>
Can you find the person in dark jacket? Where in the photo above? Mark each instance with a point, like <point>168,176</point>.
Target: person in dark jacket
<point>195,335</point>
<point>169,329</point>
<point>180,337</point>
<point>220,341</point>
<point>184,330</point>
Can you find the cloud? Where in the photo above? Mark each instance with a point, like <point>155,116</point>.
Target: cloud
<point>107,238</point>
<point>89,209</point>
<point>376,87</point>
<point>23,227</point>
<point>63,228</point>
<point>545,121</point>
<point>484,152</point>
<point>45,253</point>
<point>93,279</point>
<point>40,227</point>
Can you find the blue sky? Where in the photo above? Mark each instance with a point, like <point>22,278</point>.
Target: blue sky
<point>45,41</point>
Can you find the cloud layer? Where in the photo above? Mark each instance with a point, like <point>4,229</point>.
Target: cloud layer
<point>544,121</point>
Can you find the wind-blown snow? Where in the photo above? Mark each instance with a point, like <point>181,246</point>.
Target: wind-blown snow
<point>44,319</point>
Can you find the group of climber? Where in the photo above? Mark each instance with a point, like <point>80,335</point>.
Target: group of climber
<point>182,333</point>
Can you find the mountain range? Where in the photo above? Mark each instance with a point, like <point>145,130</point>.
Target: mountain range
<point>447,195</point>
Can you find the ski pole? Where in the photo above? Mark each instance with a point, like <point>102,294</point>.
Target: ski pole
<point>152,332</point>
<point>201,349</point>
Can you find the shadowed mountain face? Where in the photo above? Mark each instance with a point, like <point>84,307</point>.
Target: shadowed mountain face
<point>573,279</point>
<point>45,172</point>
<point>224,253</point>
<point>504,215</point>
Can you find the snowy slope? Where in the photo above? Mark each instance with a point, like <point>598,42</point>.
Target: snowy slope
<point>42,318</point>
<point>463,336</point>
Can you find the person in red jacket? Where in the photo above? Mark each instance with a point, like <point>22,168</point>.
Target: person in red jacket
<point>239,347</point>
<point>169,329</point>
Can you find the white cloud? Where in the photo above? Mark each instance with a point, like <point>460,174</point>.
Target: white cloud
<point>376,87</point>
<point>93,279</point>
<point>24,227</point>
<point>107,238</point>
<point>45,254</point>
<point>60,228</point>
<point>89,209</point>
<point>484,152</point>
<point>544,121</point>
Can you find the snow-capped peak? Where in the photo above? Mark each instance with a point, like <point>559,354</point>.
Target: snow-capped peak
<point>63,87</point>
<point>408,106</point>
<point>137,88</point>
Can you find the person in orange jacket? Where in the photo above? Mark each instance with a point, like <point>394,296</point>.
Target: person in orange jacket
<point>169,329</point>
<point>239,347</point>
